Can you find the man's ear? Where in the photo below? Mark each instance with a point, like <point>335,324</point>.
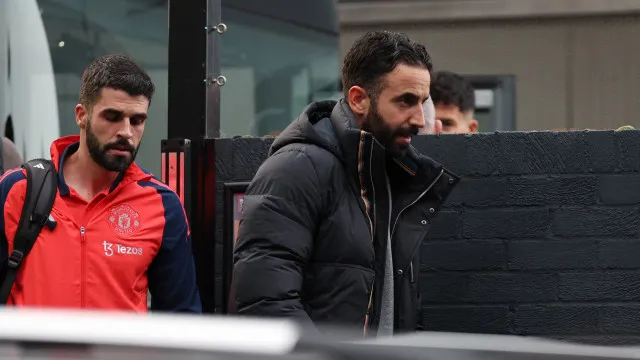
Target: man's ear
<point>82,116</point>
<point>473,126</point>
<point>358,101</point>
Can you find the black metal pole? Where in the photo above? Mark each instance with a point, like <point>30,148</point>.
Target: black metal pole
<point>187,61</point>
<point>215,81</point>
<point>194,114</point>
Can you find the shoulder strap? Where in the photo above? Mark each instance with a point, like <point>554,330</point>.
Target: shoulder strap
<point>42,187</point>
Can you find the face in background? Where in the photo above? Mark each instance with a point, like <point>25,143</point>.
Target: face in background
<point>454,99</point>
<point>113,128</point>
<point>455,121</point>
<point>396,113</point>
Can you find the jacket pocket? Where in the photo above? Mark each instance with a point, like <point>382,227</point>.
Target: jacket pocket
<point>338,292</point>
<point>408,299</point>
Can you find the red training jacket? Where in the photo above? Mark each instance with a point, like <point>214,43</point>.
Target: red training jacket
<point>105,254</point>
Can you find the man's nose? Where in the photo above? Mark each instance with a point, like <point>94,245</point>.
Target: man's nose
<point>126,130</point>
<point>417,117</point>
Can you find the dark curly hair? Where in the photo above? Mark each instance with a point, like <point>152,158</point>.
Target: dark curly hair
<point>449,88</point>
<point>376,54</point>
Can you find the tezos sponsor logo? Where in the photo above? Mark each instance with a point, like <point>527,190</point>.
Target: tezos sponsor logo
<point>110,249</point>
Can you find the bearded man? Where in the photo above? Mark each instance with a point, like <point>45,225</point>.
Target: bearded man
<point>120,233</point>
<point>334,218</point>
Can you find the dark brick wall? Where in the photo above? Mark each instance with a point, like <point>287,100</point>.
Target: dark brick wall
<point>539,238</point>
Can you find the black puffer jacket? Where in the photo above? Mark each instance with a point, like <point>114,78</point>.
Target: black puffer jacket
<point>312,240</point>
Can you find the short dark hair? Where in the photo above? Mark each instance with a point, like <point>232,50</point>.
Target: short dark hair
<point>376,54</point>
<point>449,88</point>
<point>114,71</point>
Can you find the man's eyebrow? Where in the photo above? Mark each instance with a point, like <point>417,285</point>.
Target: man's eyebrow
<point>120,113</point>
<point>112,111</point>
<point>411,96</point>
<point>407,95</point>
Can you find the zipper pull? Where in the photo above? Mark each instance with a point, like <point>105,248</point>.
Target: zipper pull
<point>411,275</point>
<point>82,233</point>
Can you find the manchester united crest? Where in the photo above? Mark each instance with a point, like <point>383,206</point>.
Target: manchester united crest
<point>124,220</point>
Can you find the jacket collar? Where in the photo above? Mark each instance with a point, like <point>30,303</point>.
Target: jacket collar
<point>365,156</point>
<point>67,145</point>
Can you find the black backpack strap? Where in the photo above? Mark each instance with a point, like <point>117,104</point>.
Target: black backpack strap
<point>42,187</point>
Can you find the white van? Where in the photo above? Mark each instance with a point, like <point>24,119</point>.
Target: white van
<point>28,101</point>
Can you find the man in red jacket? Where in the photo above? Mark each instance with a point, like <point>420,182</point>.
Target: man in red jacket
<point>120,232</point>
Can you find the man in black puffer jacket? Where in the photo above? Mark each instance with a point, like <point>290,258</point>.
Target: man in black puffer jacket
<point>334,218</point>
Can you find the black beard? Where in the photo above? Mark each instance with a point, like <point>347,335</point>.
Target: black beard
<point>99,152</point>
<point>375,124</point>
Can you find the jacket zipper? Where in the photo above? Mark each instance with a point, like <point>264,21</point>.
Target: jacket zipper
<point>371,225</point>
<point>367,314</point>
<point>82,266</point>
<point>415,201</point>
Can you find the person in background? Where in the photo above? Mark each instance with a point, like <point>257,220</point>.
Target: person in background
<point>9,156</point>
<point>334,218</point>
<point>454,101</point>
<point>119,231</point>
